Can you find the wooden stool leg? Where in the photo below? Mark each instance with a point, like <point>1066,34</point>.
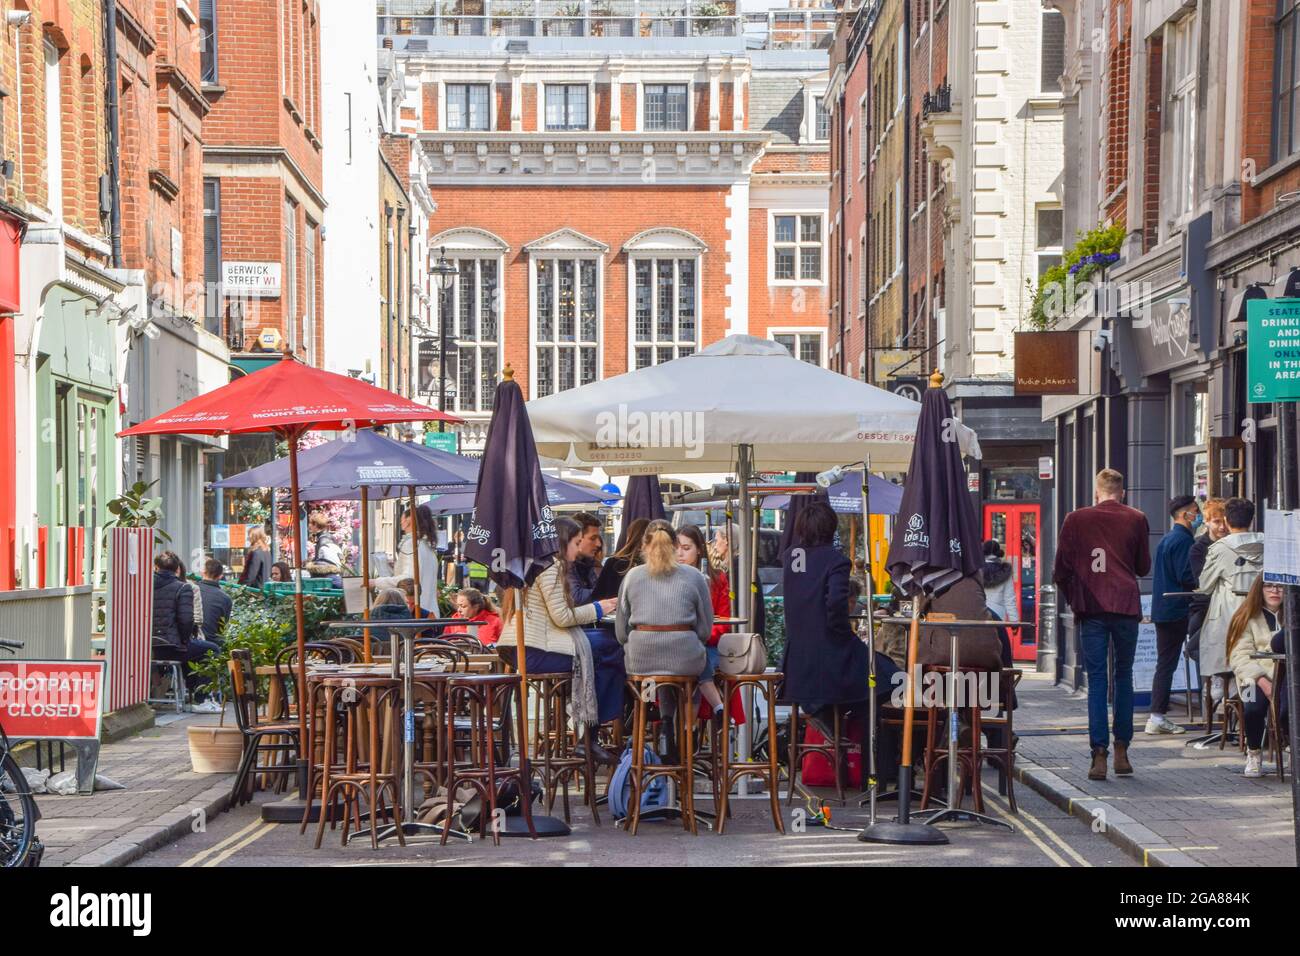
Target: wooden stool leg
<point>686,717</point>
<point>773,768</point>
<point>638,762</point>
<point>724,775</point>
<point>837,751</point>
<point>794,752</point>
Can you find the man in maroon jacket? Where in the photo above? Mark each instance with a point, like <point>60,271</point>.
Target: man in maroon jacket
<point>1100,554</point>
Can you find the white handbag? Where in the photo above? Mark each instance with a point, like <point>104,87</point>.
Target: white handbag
<point>742,653</point>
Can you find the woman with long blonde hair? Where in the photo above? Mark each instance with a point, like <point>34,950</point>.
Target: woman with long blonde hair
<point>1251,632</point>
<point>665,615</point>
<point>257,559</point>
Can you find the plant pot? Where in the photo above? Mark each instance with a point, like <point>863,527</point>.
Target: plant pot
<point>215,749</point>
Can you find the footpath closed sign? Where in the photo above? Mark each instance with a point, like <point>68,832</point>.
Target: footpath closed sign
<point>51,700</point>
<point>1273,350</point>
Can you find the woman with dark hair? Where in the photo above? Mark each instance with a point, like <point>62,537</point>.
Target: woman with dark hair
<point>473,606</point>
<point>281,572</point>
<point>825,662</point>
<point>560,638</point>
<point>629,556</point>
<point>999,589</point>
<point>404,567</point>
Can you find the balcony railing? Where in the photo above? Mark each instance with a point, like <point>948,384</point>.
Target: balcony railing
<point>940,101</point>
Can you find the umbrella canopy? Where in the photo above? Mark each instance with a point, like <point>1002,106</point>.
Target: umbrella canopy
<point>291,398</point>
<point>557,493</point>
<point>512,531</point>
<point>845,496</point>
<point>644,499</point>
<point>937,542</point>
<point>386,466</point>
<point>689,415</point>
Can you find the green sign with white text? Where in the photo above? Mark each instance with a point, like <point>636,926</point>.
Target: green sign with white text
<point>443,441</point>
<point>1273,350</point>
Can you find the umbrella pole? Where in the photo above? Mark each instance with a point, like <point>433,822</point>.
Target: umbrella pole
<point>365,566</point>
<point>298,614</point>
<point>415,553</point>
<point>872,785</point>
<point>522,667</point>
<point>745,592</point>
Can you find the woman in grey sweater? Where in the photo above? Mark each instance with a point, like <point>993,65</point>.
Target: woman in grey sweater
<point>670,599</point>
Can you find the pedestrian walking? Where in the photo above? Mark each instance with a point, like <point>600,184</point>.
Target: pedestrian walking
<point>999,589</point>
<point>1100,554</point>
<point>1172,572</point>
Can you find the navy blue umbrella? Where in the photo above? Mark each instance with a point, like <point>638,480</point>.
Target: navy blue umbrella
<point>643,499</point>
<point>845,496</point>
<point>557,493</point>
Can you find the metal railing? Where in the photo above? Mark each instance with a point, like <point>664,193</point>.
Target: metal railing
<point>940,101</point>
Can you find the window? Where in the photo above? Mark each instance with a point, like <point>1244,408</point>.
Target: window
<point>1191,427</point>
<point>471,308</point>
<point>1180,60</point>
<point>797,248</point>
<point>665,107</point>
<point>309,276</point>
<point>567,301</point>
<point>821,120</point>
<point>1047,238</point>
<point>468,106</point>
<point>53,135</point>
<point>665,309</point>
<point>289,287</point>
<point>208,41</point>
<point>805,346</point>
<point>212,257</point>
<point>1286,81</point>
<point>1051,52</point>
<point>566,106</point>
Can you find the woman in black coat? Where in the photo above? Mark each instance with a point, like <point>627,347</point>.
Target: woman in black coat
<point>825,661</point>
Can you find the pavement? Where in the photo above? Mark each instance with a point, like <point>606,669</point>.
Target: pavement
<point>1182,807</point>
<point>163,799</point>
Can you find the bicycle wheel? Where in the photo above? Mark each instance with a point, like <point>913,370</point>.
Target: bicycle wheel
<point>17,815</point>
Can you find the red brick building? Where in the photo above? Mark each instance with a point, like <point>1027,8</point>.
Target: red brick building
<point>262,171</point>
<point>614,201</point>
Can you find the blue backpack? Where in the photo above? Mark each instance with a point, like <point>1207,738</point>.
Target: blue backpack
<point>656,794</point>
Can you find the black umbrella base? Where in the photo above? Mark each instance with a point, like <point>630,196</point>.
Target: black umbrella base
<point>903,834</point>
<point>545,827</point>
<point>289,810</point>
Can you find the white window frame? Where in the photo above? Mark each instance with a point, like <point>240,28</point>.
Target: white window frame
<point>656,245</point>
<point>799,331</point>
<point>476,245</point>
<point>812,92</point>
<point>1042,50</point>
<point>444,113</point>
<point>864,145</point>
<point>1178,146</point>
<point>688,82</point>
<point>53,131</point>
<point>541,104</point>
<point>534,343</point>
<point>772,215</point>
<point>1040,250</point>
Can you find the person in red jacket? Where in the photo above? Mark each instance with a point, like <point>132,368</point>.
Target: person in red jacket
<point>472,605</point>
<point>1100,554</point>
<point>692,550</point>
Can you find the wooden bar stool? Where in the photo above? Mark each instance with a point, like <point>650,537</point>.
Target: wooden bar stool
<point>555,760</point>
<point>646,687</point>
<point>353,754</point>
<point>476,705</point>
<point>970,756</point>
<point>833,749</point>
<point>769,770</point>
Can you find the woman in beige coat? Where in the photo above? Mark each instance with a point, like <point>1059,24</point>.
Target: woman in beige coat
<point>1251,632</point>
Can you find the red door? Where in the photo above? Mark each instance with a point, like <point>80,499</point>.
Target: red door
<point>1016,528</point>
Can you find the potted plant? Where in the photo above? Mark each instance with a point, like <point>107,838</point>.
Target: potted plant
<point>709,19</point>
<point>134,509</point>
<point>261,628</point>
<point>1058,289</point>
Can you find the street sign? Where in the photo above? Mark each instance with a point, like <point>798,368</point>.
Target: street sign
<point>51,700</point>
<point>1046,363</point>
<point>1273,350</point>
<point>443,441</point>
<point>610,488</point>
<point>1045,468</point>
<point>261,279</point>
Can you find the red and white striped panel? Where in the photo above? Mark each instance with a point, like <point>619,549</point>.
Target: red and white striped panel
<point>130,616</point>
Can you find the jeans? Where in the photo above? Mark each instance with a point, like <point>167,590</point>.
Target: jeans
<point>1170,636</point>
<point>188,654</point>
<point>1097,633</point>
<point>1254,710</point>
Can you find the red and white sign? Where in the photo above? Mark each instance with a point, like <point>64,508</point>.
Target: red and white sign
<point>51,699</point>
<point>1045,470</point>
<point>130,615</point>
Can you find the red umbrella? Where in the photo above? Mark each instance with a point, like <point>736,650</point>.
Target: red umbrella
<point>289,398</point>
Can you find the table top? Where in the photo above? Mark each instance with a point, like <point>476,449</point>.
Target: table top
<point>401,623</point>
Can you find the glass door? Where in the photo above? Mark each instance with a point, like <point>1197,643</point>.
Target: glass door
<point>1017,529</point>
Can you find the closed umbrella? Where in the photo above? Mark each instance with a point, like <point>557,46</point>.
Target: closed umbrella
<point>935,545</point>
<point>289,399</point>
<point>643,499</point>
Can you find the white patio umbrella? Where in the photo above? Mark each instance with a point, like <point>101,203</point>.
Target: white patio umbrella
<point>742,405</point>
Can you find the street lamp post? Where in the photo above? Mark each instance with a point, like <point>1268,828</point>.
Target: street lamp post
<point>444,275</point>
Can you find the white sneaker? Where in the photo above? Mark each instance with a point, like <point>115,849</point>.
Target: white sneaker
<point>1160,724</point>
<point>208,706</point>
<point>1254,764</point>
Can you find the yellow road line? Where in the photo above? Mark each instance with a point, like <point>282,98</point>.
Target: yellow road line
<point>228,853</point>
<point>220,844</point>
<point>1033,838</point>
<point>1051,835</point>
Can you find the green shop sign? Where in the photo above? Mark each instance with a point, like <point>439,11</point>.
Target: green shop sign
<point>1273,350</point>
<point>442,441</point>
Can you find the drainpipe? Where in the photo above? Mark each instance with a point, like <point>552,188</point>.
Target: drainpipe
<point>111,107</point>
<point>908,146</point>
